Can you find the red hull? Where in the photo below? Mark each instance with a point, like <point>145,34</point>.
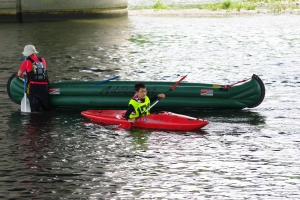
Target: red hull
<point>162,120</point>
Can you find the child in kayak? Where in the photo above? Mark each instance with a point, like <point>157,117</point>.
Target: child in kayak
<point>139,103</point>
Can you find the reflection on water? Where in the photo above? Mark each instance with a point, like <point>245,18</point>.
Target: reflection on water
<point>248,154</point>
<point>27,156</point>
<point>35,140</point>
<point>140,139</point>
<point>74,50</point>
<point>227,116</point>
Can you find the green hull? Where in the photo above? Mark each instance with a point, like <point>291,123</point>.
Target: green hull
<point>116,94</point>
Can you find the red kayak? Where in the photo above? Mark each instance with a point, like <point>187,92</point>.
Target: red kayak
<point>162,120</point>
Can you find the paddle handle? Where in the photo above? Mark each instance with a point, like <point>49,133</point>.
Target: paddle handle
<point>24,77</point>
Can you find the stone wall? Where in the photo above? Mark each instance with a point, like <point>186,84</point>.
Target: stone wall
<point>8,10</point>
<point>50,10</point>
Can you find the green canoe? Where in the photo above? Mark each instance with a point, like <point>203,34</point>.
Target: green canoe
<point>116,94</point>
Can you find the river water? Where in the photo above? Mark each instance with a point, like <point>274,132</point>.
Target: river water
<point>248,154</point>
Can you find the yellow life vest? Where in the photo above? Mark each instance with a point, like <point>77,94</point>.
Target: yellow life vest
<point>140,107</point>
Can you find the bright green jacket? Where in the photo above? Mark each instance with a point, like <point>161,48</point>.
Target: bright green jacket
<point>140,107</point>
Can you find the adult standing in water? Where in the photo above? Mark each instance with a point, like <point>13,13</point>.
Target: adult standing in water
<point>37,83</point>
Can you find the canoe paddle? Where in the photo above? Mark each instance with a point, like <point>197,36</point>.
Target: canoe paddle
<point>128,125</point>
<point>25,105</point>
<point>170,90</point>
<point>104,81</point>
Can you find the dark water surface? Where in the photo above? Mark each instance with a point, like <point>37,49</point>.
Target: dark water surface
<point>248,154</point>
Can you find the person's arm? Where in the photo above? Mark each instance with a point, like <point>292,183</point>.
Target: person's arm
<point>20,74</point>
<point>44,62</point>
<point>22,69</point>
<point>161,96</point>
<point>130,109</point>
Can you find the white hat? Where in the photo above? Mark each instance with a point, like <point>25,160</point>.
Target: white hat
<point>29,50</point>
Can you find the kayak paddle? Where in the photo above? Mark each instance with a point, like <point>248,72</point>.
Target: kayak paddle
<point>104,81</point>
<point>128,125</point>
<point>25,105</point>
<point>170,90</point>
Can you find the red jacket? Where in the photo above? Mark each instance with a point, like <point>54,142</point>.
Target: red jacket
<point>27,66</point>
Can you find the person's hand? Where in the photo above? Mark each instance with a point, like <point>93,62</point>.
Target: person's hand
<point>161,96</point>
<point>132,120</point>
<point>20,75</point>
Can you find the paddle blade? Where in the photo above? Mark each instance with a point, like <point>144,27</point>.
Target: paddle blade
<point>125,126</point>
<point>104,81</point>
<point>175,85</point>
<point>25,105</point>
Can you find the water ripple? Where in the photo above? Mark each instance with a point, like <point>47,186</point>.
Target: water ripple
<point>248,154</point>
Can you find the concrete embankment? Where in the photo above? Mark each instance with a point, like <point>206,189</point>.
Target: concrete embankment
<point>207,13</point>
<point>37,10</point>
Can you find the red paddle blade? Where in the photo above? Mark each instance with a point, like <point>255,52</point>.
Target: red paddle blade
<point>125,126</point>
<point>175,85</point>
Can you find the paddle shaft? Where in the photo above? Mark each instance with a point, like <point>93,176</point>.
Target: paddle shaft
<point>24,77</point>
<point>25,96</point>
<point>170,90</point>
<point>104,81</point>
<point>155,102</point>
<point>25,105</point>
